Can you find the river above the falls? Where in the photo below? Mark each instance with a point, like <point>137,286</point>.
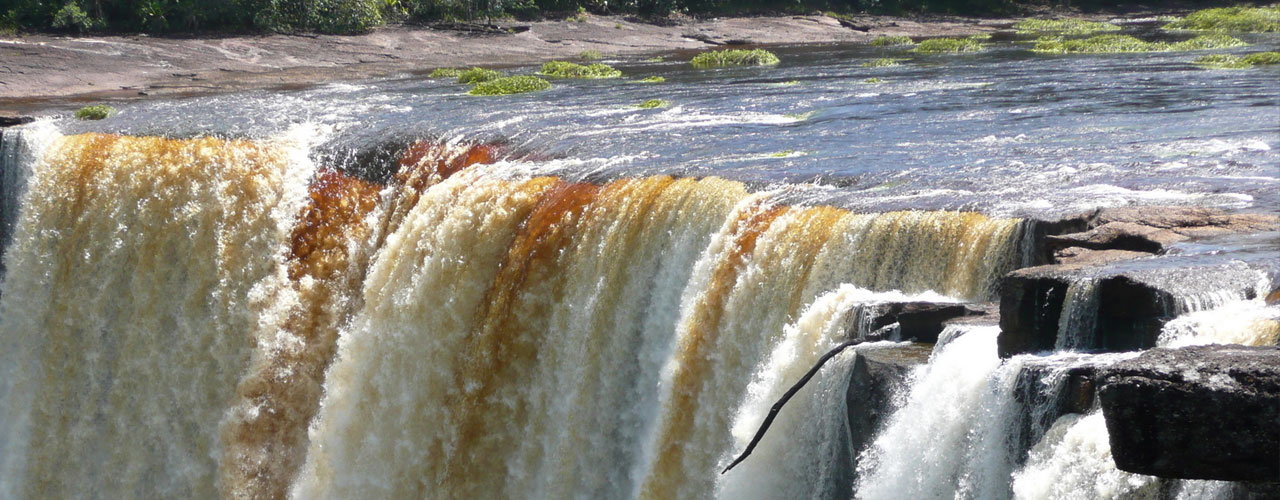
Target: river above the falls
<point>1005,131</point>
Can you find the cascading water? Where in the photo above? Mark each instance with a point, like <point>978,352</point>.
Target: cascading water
<point>221,317</point>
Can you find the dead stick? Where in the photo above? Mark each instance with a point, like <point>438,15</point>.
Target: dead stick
<point>773,412</point>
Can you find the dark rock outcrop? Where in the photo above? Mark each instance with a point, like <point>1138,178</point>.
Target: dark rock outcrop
<point>917,321</point>
<point>1130,301</point>
<point>1204,412</point>
<point>7,120</point>
<point>876,375</point>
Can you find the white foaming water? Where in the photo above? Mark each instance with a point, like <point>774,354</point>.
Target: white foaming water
<point>1073,462</point>
<point>920,453</point>
<point>801,454</point>
<point>1245,322</point>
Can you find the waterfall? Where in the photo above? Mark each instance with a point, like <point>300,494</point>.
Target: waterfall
<point>1073,461</point>
<point>1245,322</point>
<point>142,270</point>
<point>1077,324</point>
<point>203,317</point>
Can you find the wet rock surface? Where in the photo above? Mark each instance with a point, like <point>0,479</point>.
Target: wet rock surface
<point>916,321</point>
<point>876,375</point>
<point>1155,229</point>
<point>1203,412</point>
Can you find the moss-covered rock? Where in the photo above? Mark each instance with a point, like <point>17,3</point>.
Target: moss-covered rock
<point>510,85</point>
<point>95,112</point>
<point>891,41</point>
<point>654,103</point>
<point>565,69</point>
<point>478,75</point>
<point>590,55</point>
<point>1064,26</point>
<point>1233,19</point>
<point>943,45</point>
<point>734,57</point>
<point>882,62</point>
<point>445,73</point>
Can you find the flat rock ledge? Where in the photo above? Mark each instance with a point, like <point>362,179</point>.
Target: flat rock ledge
<point>1203,412</point>
<point>1150,229</point>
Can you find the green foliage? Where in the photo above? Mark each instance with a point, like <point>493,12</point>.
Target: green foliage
<point>95,112</point>
<point>889,41</point>
<point>940,45</point>
<point>734,57</point>
<point>653,103</point>
<point>1262,58</point>
<point>1234,19</point>
<point>654,59</point>
<point>510,85</point>
<point>1211,41</point>
<point>873,81</point>
<point>565,69</point>
<point>1064,26</point>
<point>590,55</point>
<point>650,79</point>
<point>72,17</point>
<point>882,62</point>
<point>478,75</point>
<point>446,73</point>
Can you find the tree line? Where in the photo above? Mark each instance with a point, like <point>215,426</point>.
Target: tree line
<point>358,16</point>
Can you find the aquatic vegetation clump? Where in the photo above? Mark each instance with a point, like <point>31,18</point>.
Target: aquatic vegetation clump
<point>1114,44</point>
<point>1235,19</point>
<point>1204,42</point>
<point>942,45</point>
<point>445,73</point>
<point>510,85</point>
<point>654,103</point>
<point>1221,61</point>
<point>565,69</point>
<point>590,55</point>
<point>1262,58</point>
<point>650,79</point>
<point>734,57</point>
<point>1227,61</point>
<point>1064,26</point>
<point>882,62</point>
<point>95,112</point>
<point>891,41</point>
<point>1100,44</point>
<point>873,81</point>
<point>478,75</point>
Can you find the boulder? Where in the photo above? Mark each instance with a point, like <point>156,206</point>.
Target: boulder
<point>8,120</point>
<point>1203,412</point>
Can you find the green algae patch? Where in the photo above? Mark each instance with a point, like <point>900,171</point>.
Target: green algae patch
<point>1100,44</point>
<point>1232,19</point>
<point>478,75</point>
<point>734,57</point>
<point>1221,61</point>
<point>1205,42</point>
<point>565,69</point>
<point>510,85</point>
<point>445,73</point>
<point>883,62</point>
<point>95,112</point>
<point>1262,58</point>
<point>1063,26</point>
<point>650,79</point>
<point>654,103</point>
<point>1226,61</point>
<point>891,41</point>
<point>873,81</point>
<point>945,45</point>
<point>590,55</point>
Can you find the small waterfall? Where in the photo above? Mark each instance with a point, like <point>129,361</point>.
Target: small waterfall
<point>1077,324</point>
<point>1073,461</point>
<point>19,149</point>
